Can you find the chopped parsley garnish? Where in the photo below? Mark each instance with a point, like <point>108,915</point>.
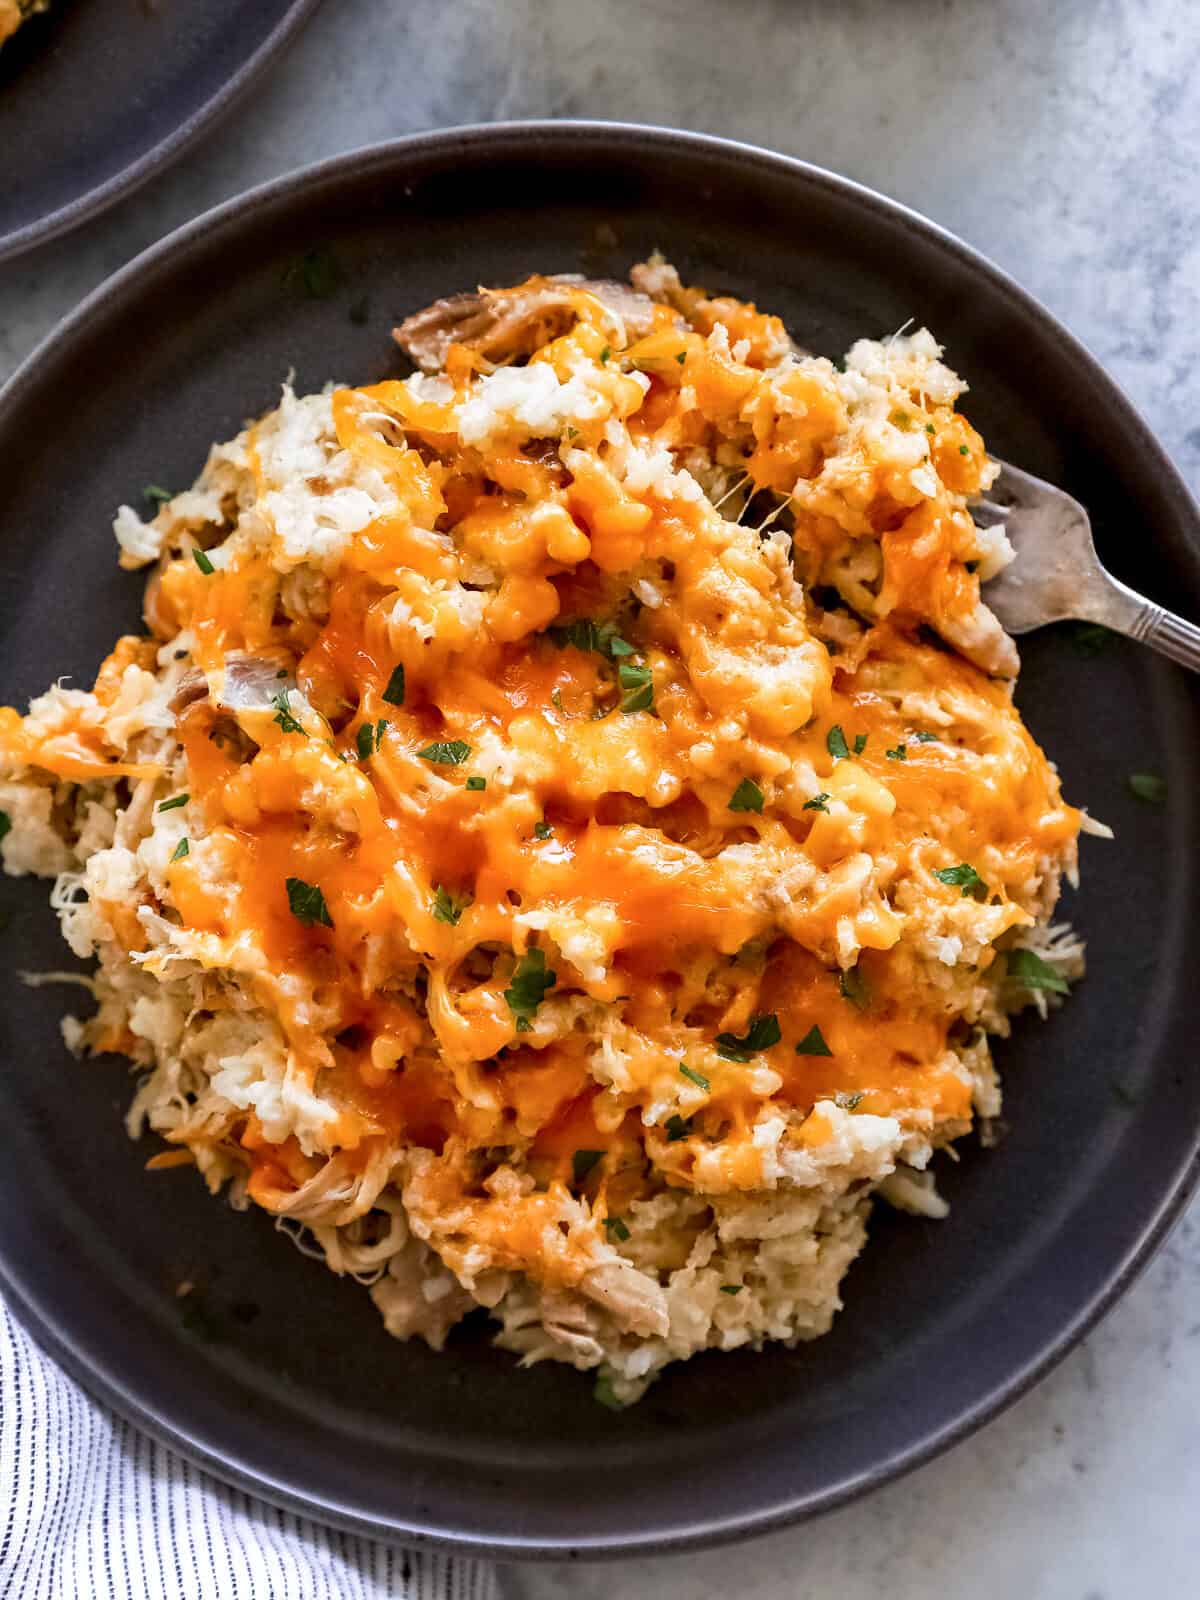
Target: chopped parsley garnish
<point>695,1077</point>
<point>813,1043</point>
<point>817,803</point>
<point>1031,972</point>
<point>762,1033</point>
<point>174,804</point>
<point>587,635</point>
<point>922,737</point>
<point>182,849</point>
<point>368,737</point>
<point>681,357</point>
<point>604,1394</point>
<point>282,673</point>
<point>899,753</point>
<point>157,495</point>
<point>307,903</point>
<point>835,743</point>
<point>604,354</point>
<point>848,1102</point>
<point>638,683</point>
<point>963,451</point>
<point>5,824</point>
<point>963,877</point>
<point>528,989</point>
<point>860,743</point>
<point>616,1228</point>
<point>394,693</point>
<point>677,1128</point>
<point>855,988</point>
<point>202,561</point>
<point>316,274</point>
<point>1089,638</point>
<point>476,782</point>
<point>449,907</point>
<point>1148,786</point>
<point>583,1161</point>
<point>929,428</point>
<point>446,752</point>
<point>283,715</point>
<point>542,830</point>
<point>732,1288</point>
<point>746,797</point>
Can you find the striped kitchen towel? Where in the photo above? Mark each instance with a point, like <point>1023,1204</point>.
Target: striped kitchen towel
<point>91,1509</point>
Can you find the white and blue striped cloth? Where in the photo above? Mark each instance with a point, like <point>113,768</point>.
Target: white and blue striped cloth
<point>91,1509</point>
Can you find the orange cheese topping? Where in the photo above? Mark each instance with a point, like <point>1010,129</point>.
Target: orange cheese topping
<point>552,699</point>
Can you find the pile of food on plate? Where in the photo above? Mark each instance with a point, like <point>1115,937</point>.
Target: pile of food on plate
<point>565,837</point>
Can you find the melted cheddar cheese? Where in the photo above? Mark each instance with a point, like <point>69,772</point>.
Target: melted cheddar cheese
<point>600,780</point>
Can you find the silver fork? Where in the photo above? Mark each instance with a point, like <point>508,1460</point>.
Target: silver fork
<point>1057,573</point>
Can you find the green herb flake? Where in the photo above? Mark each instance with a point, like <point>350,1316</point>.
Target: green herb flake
<point>835,743</point>
<point>583,1162</point>
<point>922,737</point>
<point>732,1288</point>
<point>813,1043</point>
<point>307,903</point>
<point>449,907</point>
<point>860,743</point>
<point>542,830</point>
<point>638,684</point>
<point>677,1128</point>
<point>1090,638</point>
<point>394,693</point>
<point>156,494</point>
<point>173,804</point>
<point>897,753</point>
<point>1026,968</point>
<point>182,849</point>
<point>316,274</point>
<point>616,1228</point>
<point>817,803</point>
<point>697,1078</point>
<point>929,428</point>
<point>528,989</point>
<point>446,752</point>
<point>604,355</point>
<point>963,451</point>
<point>585,634</point>
<point>963,877</point>
<point>202,561</point>
<point>476,782</point>
<point>1148,786</point>
<point>855,988</point>
<point>746,797</point>
<point>365,741</point>
<point>681,357</point>
<point>604,1394</point>
<point>762,1033</point>
<point>283,715</point>
<point>848,1102</point>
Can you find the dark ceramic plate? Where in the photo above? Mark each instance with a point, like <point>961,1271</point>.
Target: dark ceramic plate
<point>280,1377</point>
<point>95,95</point>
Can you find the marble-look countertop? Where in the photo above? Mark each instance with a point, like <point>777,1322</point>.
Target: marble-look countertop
<point>1062,137</point>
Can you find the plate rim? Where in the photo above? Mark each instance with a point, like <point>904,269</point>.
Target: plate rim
<point>525,135</point>
<point>65,218</point>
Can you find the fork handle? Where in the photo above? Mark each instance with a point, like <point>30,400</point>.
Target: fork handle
<point>1163,631</point>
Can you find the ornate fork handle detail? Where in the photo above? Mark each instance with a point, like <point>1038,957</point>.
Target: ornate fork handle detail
<point>1170,635</point>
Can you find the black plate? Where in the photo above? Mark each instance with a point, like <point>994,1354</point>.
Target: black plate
<point>96,95</point>
<point>279,1376</point>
